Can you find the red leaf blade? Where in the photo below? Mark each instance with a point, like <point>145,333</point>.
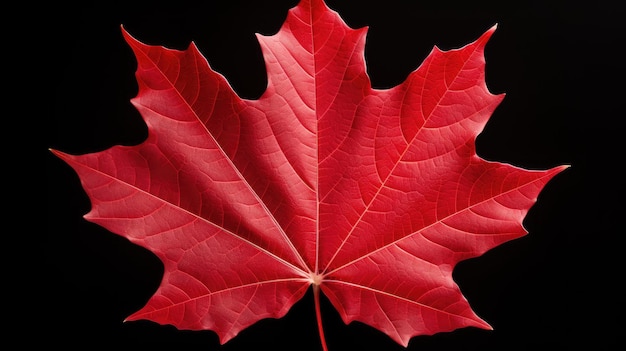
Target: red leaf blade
<point>371,195</point>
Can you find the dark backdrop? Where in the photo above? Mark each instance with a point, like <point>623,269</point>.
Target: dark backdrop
<point>560,67</point>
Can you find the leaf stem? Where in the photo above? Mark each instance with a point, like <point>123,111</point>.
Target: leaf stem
<point>318,315</point>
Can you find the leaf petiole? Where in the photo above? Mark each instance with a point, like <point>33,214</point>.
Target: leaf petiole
<point>318,315</point>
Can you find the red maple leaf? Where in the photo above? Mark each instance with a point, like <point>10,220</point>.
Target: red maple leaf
<point>370,195</point>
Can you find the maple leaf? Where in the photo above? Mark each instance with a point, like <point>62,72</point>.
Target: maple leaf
<point>371,196</point>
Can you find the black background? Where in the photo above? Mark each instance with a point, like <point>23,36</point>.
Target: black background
<point>559,65</point>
